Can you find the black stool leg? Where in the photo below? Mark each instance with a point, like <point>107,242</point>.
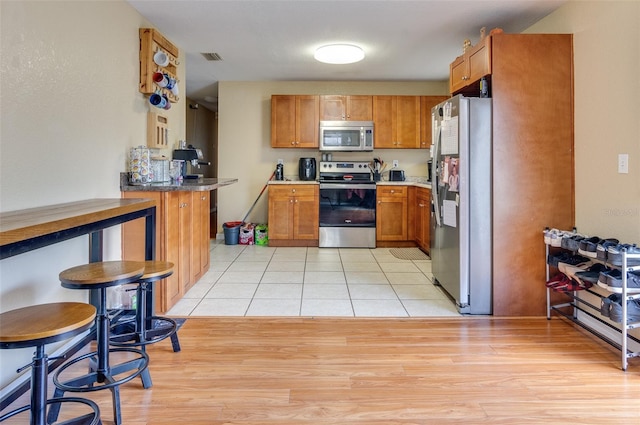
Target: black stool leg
<point>141,326</point>
<point>39,390</point>
<point>102,371</point>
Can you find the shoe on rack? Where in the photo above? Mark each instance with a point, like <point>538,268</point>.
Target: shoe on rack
<point>550,234</point>
<point>588,247</point>
<point>571,241</point>
<point>557,279</point>
<point>614,282</point>
<point>565,257</point>
<point>614,254</point>
<point>570,285</point>
<point>601,249</point>
<point>633,311</point>
<point>603,277</point>
<point>592,273</point>
<point>605,304</point>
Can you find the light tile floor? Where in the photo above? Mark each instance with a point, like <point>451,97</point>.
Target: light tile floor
<point>353,282</point>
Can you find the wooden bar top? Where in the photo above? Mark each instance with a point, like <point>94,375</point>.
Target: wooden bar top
<point>22,225</point>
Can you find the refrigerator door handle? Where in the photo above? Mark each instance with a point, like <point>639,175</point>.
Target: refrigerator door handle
<point>434,173</point>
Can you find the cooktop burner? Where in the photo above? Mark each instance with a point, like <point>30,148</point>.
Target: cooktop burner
<point>345,172</point>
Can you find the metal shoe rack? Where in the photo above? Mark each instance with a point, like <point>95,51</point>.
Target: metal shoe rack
<point>579,304</point>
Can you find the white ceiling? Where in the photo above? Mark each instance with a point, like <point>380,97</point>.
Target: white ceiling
<point>274,40</point>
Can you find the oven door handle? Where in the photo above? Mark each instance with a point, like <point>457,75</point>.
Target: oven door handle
<point>347,186</point>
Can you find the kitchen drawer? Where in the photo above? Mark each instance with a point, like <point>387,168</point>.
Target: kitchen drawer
<point>293,190</point>
<point>391,191</point>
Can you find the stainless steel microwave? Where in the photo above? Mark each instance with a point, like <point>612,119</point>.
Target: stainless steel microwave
<point>346,136</point>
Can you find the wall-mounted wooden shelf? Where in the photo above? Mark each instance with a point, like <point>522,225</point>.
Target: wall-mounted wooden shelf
<point>150,42</point>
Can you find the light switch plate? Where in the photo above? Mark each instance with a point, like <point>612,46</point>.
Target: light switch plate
<point>395,163</point>
<point>623,163</point>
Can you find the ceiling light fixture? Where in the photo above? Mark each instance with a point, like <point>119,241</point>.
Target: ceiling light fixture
<point>339,54</point>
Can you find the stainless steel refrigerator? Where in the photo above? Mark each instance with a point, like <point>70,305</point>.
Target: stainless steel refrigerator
<point>461,202</point>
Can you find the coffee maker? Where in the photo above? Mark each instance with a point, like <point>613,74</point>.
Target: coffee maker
<point>307,169</point>
<point>189,155</point>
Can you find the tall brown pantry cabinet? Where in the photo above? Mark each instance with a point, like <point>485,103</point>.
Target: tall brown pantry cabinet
<point>533,182</point>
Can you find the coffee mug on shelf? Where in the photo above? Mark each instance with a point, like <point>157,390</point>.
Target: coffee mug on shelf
<point>158,100</point>
<point>167,105</point>
<point>161,58</point>
<point>160,79</point>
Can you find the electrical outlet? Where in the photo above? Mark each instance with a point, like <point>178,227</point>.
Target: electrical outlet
<point>395,163</point>
<point>281,161</point>
<point>623,163</point>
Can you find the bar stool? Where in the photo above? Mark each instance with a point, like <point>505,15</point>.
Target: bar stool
<point>36,326</point>
<point>146,328</point>
<point>102,375</point>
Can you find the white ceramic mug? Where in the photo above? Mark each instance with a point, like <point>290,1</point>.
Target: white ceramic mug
<point>161,58</point>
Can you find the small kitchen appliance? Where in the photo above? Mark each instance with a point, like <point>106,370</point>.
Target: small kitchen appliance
<point>279,174</point>
<point>307,169</point>
<point>396,176</point>
<point>190,155</point>
<point>346,136</point>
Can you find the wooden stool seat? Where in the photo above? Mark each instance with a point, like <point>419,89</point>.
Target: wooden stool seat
<point>102,375</point>
<point>102,274</point>
<point>35,326</point>
<point>45,323</point>
<point>156,270</point>
<point>146,328</point>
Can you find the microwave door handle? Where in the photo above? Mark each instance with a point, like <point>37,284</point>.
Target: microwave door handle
<point>434,173</point>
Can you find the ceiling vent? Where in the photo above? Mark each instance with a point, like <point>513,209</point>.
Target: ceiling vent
<point>212,56</point>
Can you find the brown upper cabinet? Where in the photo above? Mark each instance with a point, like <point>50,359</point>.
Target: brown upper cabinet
<point>295,121</point>
<point>396,121</point>
<point>426,103</point>
<point>475,63</point>
<point>346,108</point>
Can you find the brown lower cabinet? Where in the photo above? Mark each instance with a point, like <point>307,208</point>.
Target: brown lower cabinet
<point>182,237</point>
<point>294,214</point>
<point>392,213</point>
<point>422,218</point>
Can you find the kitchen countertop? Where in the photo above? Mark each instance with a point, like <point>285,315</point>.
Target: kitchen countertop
<point>411,181</point>
<point>187,185</point>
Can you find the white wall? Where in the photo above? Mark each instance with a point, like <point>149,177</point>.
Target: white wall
<point>244,138</point>
<point>71,110</point>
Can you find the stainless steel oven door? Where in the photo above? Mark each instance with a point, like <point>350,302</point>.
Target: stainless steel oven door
<point>347,215</point>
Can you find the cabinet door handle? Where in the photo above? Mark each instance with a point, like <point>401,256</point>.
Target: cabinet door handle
<point>204,198</point>
<point>293,190</point>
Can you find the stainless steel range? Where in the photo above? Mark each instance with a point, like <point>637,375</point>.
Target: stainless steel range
<point>347,205</point>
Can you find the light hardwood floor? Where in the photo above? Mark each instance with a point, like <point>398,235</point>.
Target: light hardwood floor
<point>323,371</point>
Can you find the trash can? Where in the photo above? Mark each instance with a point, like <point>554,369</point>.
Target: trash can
<point>261,235</point>
<point>231,232</point>
<point>246,234</point>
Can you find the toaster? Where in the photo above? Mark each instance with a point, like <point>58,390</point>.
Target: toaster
<point>396,175</point>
